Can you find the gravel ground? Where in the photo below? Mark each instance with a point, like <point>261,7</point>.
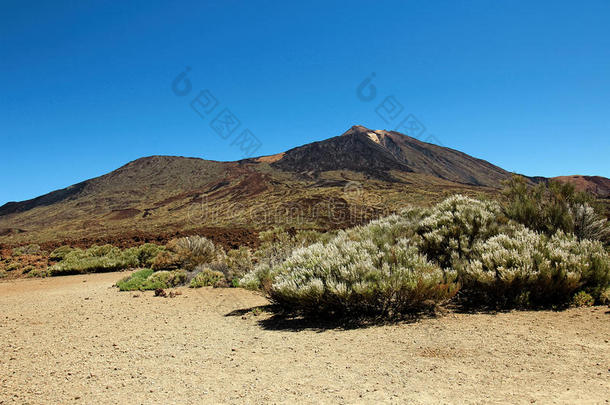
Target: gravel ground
<point>78,340</point>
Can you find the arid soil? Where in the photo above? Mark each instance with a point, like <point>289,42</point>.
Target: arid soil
<point>78,340</point>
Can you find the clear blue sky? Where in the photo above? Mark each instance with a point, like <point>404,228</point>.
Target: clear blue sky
<point>86,86</point>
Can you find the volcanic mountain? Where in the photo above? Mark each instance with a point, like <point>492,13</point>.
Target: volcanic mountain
<point>333,183</point>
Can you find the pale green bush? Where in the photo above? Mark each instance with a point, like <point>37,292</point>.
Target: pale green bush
<point>345,277</point>
<point>528,269</point>
<point>238,263</point>
<point>166,279</point>
<point>590,225</point>
<point>60,253</point>
<point>95,259</point>
<point>278,244</point>
<point>187,253</point>
<point>32,249</point>
<point>452,228</point>
<point>208,278</point>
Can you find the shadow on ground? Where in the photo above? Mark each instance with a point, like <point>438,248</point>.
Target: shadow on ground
<point>280,320</point>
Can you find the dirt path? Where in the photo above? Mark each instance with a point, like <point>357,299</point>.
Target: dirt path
<point>77,340</point>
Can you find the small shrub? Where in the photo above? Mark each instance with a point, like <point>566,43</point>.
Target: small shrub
<point>208,278</point>
<point>134,281</point>
<point>32,249</point>
<point>604,297</point>
<point>590,225</point>
<point>239,262</point>
<point>196,250</point>
<point>38,273</point>
<point>165,279</point>
<point>582,299</point>
<point>12,266</point>
<point>147,279</point>
<point>27,269</point>
<point>147,253</point>
<point>187,253</point>
<point>166,260</point>
<point>60,253</point>
<point>2,274</point>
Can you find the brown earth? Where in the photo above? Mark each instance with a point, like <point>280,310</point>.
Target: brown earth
<point>76,339</point>
<point>600,186</point>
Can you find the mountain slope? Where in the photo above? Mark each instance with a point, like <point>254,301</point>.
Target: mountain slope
<point>376,153</point>
<point>597,185</point>
<point>338,182</point>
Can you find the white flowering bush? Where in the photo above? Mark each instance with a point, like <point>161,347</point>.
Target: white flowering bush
<point>590,225</point>
<point>452,228</point>
<point>528,269</point>
<point>346,277</point>
<point>397,263</point>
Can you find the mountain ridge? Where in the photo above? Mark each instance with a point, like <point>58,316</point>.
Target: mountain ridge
<point>336,182</point>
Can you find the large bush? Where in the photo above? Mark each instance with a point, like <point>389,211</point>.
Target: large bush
<point>529,269</point>
<point>449,232</point>
<point>555,206</point>
<point>346,277</point>
<point>395,264</point>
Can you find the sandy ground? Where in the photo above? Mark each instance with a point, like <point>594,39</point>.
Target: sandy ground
<point>78,340</point>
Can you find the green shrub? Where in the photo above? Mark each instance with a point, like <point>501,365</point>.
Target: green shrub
<point>60,253</point>
<point>2,274</point>
<point>604,297</point>
<point>12,266</point>
<point>187,253</point>
<point>555,206</point>
<point>207,277</point>
<point>582,299</point>
<point>359,278</point>
<point>145,254</point>
<point>452,228</point>
<point>38,273</point>
<point>27,269</point>
<point>238,263</point>
<point>32,249</point>
<point>166,279</point>
<point>134,281</point>
<point>528,269</point>
<point>95,259</point>
<point>147,279</point>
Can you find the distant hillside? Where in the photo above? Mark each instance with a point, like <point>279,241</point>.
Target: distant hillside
<point>597,185</point>
<point>337,182</point>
